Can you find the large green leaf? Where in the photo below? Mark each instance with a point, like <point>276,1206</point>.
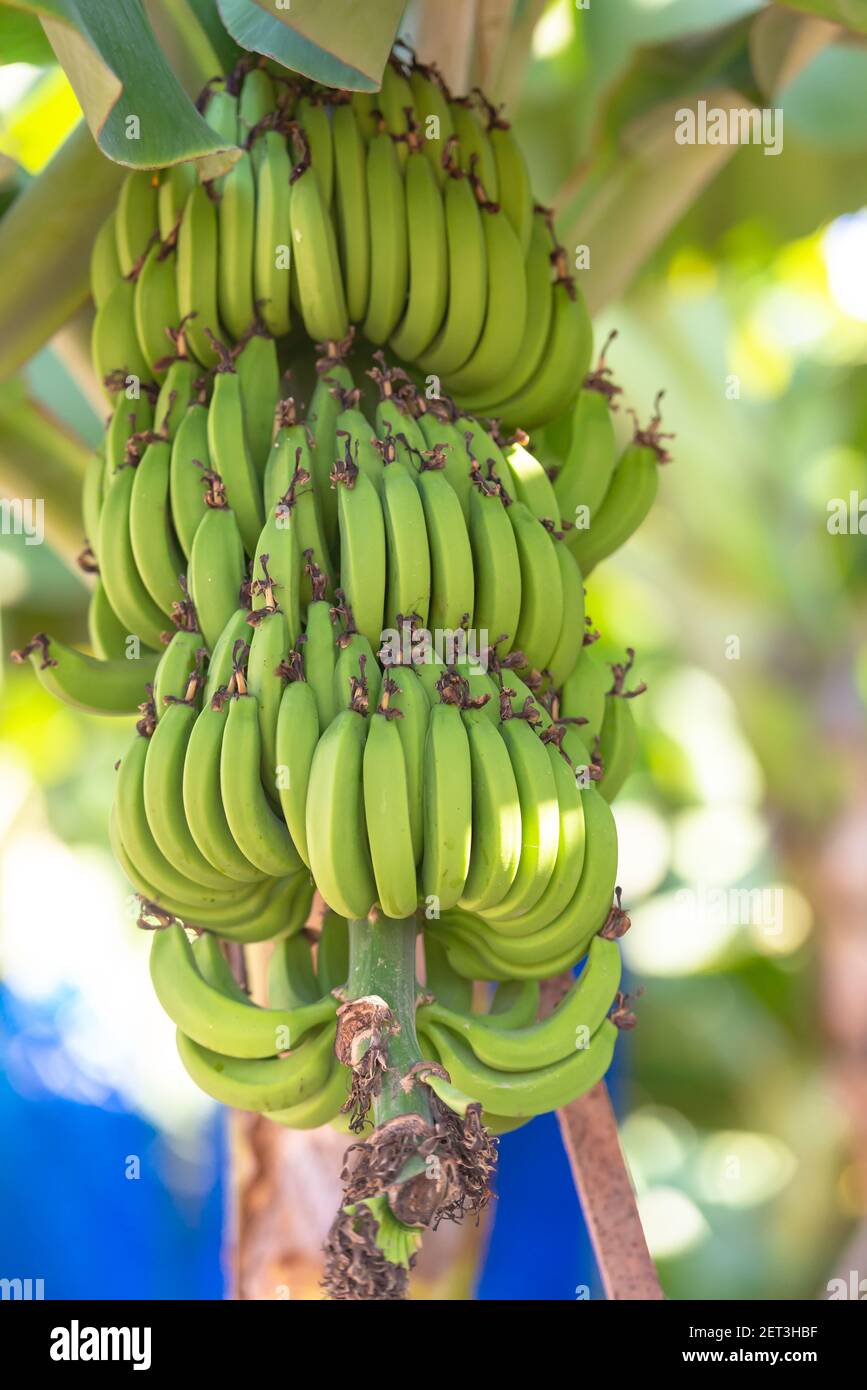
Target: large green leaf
<point>45,244</point>
<point>22,39</point>
<point>314,39</point>
<point>135,107</point>
<point>354,33</point>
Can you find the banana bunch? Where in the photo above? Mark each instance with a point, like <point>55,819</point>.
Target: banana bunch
<point>354,633</point>
<point>411,215</point>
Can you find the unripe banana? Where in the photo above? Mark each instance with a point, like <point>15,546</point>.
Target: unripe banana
<point>297,735</point>
<point>336,833</point>
<point>362,548</point>
<point>396,105</point>
<point>428,289</point>
<point>467,257</point>
<point>410,699</point>
<point>387,810</point>
<point>181,385</point>
<point>176,184</point>
<point>259,376</point>
<point>541,588</point>
<point>177,663</point>
<point>272,250</point>
<point>197,270</point>
<point>352,209</point>
<point>217,568</point>
<point>269,645</point>
<point>315,259</point>
<point>108,636</point>
<point>629,497</point>
<point>407,552</point>
<point>230,453</point>
<point>236,217</point>
<point>433,115</point>
<point>203,796</point>
<point>564,657</point>
<point>531,483</point>
<point>582,482</point>
<point>564,363</point>
<point>496,565</point>
<point>475,153</point>
<point>135,218</point>
<point>319,652</point>
<point>389,239</point>
<point>447,800</point>
<point>452,597</point>
<point>126,592</point>
<point>332,953</point>
<point>221,665</point>
<point>583,694</point>
<point>156,552</point>
<point>618,739</point>
<point>99,687</point>
<point>260,835</point>
<point>155,306</point>
<point>105,268</point>
<point>114,343</point>
<point>496,833</point>
<point>312,116</point>
<point>270,1085</point>
<point>502,334</point>
<point>190,463</point>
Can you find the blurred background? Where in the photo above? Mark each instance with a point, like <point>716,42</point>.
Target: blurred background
<point>737,281</point>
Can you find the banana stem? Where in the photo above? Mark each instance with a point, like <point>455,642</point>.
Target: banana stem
<point>382,962</point>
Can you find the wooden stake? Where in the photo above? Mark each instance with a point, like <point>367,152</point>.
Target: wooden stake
<point>589,1129</point>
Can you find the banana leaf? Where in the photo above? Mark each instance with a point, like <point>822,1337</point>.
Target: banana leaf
<point>344,43</point>
<point>138,112</point>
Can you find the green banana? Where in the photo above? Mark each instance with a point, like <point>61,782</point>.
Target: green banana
<point>321,1107</point>
<point>396,105</point>
<point>582,482</point>
<point>629,497</point>
<point>540,305</point>
<point>277,563</point>
<point>217,568</point>
<point>230,453</point>
<point>107,634</point>
<point>444,437</point>
<point>272,251</point>
<point>502,333</point>
<point>467,257</point>
<point>407,553</point>
<point>541,588</point>
<point>269,645</point>
<point>496,833</point>
<point>564,363</point>
<point>180,388</point>
<point>387,810</point>
<point>203,796</point>
<point>336,834</point>
<point>564,657</point>
<point>352,209</point>
<point>91,499</point>
<point>155,305</point>
<point>178,661</point>
<point>515,1093</point>
<point>131,415</point>
<point>273,1084</point>
<point>355,662</point>
<point>571,848</point>
<point>292,982</point>
<point>212,1020</point>
<point>105,268</point>
<point>618,738</point>
<point>114,344</point>
<point>333,378</point>
<point>297,735</point>
<point>389,239</point>
<point>514,187</point>
<point>190,462</point>
<point>410,700</point>
<point>135,225</point>
<point>197,270</point>
<point>126,591</point>
<point>259,834</point>
<point>496,565</point>
<point>433,115</point>
<point>475,152</point>
<point>221,665</point>
<point>312,116</point>
<point>155,550</point>
<point>176,184</point>
<point>584,691</point>
<point>447,800</point>
<point>539,809</point>
<point>362,547</point>
<point>236,220</point>
<point>568,1029</point>
<point>98,687</point>
<point>256,101</point>
<point>315,258</point>
<point>428,291</point>
<point>530,483</point>
<point>259,377</point>
<point>332,953</point>
<point>452,583</point>
<point>319,652</point>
